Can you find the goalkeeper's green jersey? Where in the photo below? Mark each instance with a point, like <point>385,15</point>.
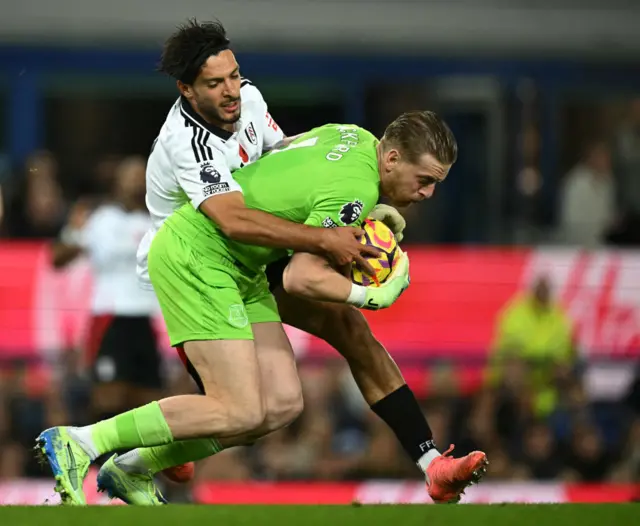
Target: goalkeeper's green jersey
<point>327,178</point>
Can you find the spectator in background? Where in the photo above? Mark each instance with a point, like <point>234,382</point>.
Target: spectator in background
<point>588,199</point>
<point>37,208</point>
<point>536,331</point>
<point>627,160</point>
<point>627,163</point>
<point>104,173</point>
<point>540,454</point>
<point>588,458</point>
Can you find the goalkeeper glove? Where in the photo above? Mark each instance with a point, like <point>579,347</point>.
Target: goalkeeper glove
<point>375,298</point>
<point>390,217</point>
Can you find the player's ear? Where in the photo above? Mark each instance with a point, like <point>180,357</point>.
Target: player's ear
<point>185,89</point>
<point>392,156</point>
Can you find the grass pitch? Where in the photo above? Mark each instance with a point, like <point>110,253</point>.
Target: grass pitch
<point>410,515</point>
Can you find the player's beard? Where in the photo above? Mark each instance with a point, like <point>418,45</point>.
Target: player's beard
<point>216,115</point>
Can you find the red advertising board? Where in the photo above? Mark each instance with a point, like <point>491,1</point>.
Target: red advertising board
<point>449,310</point>
<point>40,491</point>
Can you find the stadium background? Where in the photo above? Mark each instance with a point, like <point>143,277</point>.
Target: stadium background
<point>527,88</point>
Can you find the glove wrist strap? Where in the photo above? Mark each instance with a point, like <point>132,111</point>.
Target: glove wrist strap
<point>357,296</point>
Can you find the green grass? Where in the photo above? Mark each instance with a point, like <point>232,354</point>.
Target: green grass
<point>465,515</point>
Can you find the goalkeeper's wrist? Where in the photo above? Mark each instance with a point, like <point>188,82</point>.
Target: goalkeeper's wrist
<point>357,296</point>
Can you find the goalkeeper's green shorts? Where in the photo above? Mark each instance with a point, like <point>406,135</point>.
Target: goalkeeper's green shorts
<point>206,297</point>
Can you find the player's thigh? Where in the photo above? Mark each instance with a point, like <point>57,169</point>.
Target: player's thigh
<point>229,373</point>
<point>222,355</point>
<point>278,373</point>
<point>279,377</point>
<point>226,368</point>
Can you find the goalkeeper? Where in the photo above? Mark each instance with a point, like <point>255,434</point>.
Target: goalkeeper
<point>220,314</point>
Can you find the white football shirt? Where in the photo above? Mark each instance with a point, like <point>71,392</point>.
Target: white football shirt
<point>192,160</point>
<point>110,239</point>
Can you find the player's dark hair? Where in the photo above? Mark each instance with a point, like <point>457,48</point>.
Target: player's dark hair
<point>418,132</point>
<point>189,47</point>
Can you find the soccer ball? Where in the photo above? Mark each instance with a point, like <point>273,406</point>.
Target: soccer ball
<point>379,235</point>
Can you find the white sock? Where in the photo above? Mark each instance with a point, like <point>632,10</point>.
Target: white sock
<point>131,462</point>
<point>83,436</point>
<point>426,459</point>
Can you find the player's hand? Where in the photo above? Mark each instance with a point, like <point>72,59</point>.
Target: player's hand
<point>390,217</point>
<point>343,247</point>
<point>386,294</point>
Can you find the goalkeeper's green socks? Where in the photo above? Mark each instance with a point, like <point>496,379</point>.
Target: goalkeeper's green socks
<point>144,426</point>
<point>156,459</point>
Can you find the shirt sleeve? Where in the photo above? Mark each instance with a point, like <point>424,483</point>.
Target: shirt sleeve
<point>345,203</point>
<point>202,171</point>
<point>271,132</point>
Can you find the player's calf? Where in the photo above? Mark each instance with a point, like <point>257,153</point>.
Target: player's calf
<point>373,369</point>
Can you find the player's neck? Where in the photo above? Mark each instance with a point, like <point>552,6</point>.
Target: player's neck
<point>226,126</point>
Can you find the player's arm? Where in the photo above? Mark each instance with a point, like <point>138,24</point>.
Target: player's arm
<point>256,227</point>
<point>70,244</point>
<point>312,277</point>
<point>212,190</point>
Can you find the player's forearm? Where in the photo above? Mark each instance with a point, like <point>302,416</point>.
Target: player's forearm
<point>260,228</point>
<point>313,278</point>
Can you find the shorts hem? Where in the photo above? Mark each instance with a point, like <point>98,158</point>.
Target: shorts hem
<point>265,320</point>
<point>202,337</point>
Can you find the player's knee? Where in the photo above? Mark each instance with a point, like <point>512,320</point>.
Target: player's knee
<point>245,419</point>
<point>244,408</point>
<point>284,407</point>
